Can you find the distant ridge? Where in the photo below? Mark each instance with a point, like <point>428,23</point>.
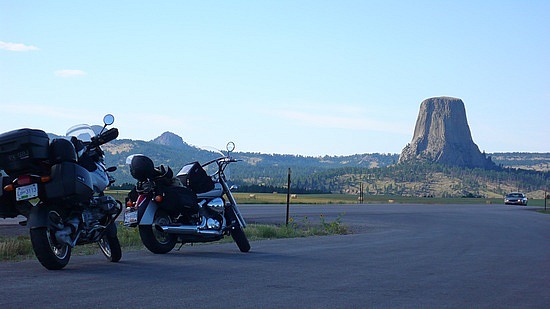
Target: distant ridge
<point>170,139</point>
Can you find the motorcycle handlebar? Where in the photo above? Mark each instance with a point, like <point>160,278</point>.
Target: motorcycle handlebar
<point>221,159</point>
<point>103,138</point>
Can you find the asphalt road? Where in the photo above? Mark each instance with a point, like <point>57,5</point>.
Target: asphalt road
<point>429,256</point>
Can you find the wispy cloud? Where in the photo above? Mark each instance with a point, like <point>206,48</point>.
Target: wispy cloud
<point>70,73</point>
<point>17,47</point>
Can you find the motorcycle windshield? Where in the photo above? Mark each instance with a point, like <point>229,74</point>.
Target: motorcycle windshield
<point>81,131</point>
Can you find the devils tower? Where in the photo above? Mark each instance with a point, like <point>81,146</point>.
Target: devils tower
<point>442,135</point>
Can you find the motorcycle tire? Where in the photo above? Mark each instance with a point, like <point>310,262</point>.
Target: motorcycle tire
<point>154,240</point>
<point>240,239</point>
<point>49,253</point>
<point>110,245</point>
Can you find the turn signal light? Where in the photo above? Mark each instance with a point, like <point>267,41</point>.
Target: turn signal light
<point>9,187</point>
<point>129,204</point>
<point>45,179</point>
<point>158,198</point>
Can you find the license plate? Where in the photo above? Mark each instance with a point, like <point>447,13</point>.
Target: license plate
<point>130,218</point>
<point>26,192</point>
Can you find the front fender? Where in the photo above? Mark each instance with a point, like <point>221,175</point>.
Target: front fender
<point>149,213</point>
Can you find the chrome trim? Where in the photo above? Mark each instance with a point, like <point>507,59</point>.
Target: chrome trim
<point>187,230</point>
<point>216,205</point>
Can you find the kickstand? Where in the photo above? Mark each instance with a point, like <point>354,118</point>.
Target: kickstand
<point>178,249</point>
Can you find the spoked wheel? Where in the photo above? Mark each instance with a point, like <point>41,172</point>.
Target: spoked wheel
<point>157,241</point>
<point>110,245</point>
<point>49,252</point>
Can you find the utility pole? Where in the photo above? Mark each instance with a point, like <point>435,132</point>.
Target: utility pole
<point>288,198</point>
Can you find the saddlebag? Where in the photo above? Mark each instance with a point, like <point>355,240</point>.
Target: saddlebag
<point>70,182</point>
<point>195,177</point>
<point>177,200</point>
<point>23,151</point>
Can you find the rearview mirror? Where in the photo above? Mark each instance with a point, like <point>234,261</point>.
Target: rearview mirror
<point>108,119</point>
<point>230,146</point>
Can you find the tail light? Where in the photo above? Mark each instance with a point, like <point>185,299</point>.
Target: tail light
<point>24,180</point>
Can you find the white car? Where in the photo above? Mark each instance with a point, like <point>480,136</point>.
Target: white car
<point>515,198</point>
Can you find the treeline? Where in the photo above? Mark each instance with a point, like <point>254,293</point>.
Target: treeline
<point>514,159</point>
<point>418,179</point>
<point>273,189</point>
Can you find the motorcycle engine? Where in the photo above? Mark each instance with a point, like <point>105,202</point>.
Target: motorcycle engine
<point>213,224</point>
<point>106,204</point>
<point>216,205</point>
<point>91,217</point>
<point>100,207</point>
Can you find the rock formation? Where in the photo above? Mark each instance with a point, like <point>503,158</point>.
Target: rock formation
<point>442,135</point>
<point>170,139</point>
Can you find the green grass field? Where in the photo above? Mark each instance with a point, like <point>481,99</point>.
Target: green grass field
<point>270,198</point>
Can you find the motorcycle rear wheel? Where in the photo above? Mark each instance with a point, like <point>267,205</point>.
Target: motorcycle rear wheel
<point>110,245</point>
<point>49,253</point>
<point>154,240</point>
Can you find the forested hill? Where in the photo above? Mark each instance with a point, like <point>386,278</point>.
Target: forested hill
<point>379,172</point>
<point>254,166</point>
<point>523,160</point>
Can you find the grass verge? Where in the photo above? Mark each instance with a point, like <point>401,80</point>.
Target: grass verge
<point>20,248</point>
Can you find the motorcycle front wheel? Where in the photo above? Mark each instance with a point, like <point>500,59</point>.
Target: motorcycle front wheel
<point>156,241</point>
<point>237,233</point>
<point>49,253</point>
<point>110,245</point>
<point>240,239</point>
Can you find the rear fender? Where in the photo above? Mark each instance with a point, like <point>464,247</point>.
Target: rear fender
<point>148,213</point>
<point>38,216</point>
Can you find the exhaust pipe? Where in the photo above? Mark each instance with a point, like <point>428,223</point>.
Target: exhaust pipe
<point>186,230</point>
<point>201,229</point>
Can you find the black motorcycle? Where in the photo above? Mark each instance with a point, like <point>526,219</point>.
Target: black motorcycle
<point>58,186</point>
<point>191,207</point>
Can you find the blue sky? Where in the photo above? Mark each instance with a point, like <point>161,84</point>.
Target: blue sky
<point>287,77</point>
